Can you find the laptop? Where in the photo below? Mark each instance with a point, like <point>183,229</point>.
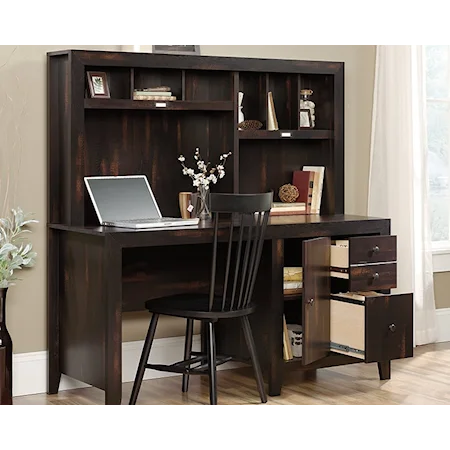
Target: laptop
<point>128,202</point>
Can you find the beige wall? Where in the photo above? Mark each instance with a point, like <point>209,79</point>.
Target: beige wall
<point>23,130</point>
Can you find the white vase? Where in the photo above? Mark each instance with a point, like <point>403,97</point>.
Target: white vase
<point>241,117</point>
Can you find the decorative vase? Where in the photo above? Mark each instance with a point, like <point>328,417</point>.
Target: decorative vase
<point>5,354</point>
<point>306,103</point>
<point>241,117</point>
<point>202,204</point>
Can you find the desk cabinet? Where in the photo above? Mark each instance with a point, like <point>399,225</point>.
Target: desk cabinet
<point>370,326</point>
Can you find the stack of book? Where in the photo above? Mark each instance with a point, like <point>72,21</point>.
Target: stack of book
<point>292,280</point>
<point>159,93</point>
<point>287,209</point>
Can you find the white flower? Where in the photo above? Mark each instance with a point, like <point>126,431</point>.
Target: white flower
<point>206,174</point>
<point>212,178</point>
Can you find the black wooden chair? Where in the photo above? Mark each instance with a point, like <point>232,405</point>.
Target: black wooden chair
<point>250,214</point>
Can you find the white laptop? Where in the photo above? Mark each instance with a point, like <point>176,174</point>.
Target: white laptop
<point>128,202</point>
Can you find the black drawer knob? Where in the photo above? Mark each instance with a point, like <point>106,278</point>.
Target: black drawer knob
<point>392,327</point>
<point>376,249</point>
<point>310,301</point>
<point>376,276</point>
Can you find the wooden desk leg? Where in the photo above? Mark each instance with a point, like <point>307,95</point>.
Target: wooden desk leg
<point>276,317</point>
<point>53,283</point>
<point>384,370</point>
<point>112,282</point>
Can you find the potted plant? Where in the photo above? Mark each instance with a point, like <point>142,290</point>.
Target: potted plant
<point>15,253</point>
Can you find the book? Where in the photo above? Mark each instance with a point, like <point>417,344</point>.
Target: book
<point>288,207</point>
<point>152,93</point>
<point>304,182</point>
<point>318,187</point>
<point>153,98</point>
<point>287,212</point>
<point>287,348</point>
<point>156,89</point>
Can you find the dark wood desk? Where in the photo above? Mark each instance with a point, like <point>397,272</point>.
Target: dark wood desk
<point>95,273</point>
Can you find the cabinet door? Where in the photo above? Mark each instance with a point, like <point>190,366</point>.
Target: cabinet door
<point>316,299</point>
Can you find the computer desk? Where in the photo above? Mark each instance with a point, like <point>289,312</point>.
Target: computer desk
<point>96,273</point>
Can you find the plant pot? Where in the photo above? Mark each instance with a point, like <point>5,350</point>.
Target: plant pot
<point>5,354</point>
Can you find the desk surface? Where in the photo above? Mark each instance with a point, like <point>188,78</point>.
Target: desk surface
<point>300,220</point>
<point>281,227</point>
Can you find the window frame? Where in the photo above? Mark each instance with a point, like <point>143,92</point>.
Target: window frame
<point>440,249</point>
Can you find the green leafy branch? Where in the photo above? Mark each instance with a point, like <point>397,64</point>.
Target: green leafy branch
<point>15,253</point>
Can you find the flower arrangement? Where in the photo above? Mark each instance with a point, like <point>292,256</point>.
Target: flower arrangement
<point>14,252</point>
<point>202,177</point>
<point>205,175</point>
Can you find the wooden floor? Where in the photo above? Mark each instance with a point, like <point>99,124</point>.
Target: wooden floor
<point>424,379</point>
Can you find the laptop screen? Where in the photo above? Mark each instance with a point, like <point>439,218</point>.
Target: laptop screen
<point>122,198</point>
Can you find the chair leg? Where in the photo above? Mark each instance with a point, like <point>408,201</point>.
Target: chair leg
<point>212,364</point>
<point>187,351</point>
<point>144,359</point>
<point>252,349</point>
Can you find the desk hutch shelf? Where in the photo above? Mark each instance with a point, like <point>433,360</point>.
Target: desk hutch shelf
<point>97,273</point>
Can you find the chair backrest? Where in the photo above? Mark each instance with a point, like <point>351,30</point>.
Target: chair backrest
<point>247,227</point>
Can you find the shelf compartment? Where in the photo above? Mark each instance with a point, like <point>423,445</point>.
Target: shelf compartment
<point>95,103</point>
<point>254,104</point>
<point>119,80</point>
<point>286,134</point>
<point>208,85</point>
<point>150,78</point>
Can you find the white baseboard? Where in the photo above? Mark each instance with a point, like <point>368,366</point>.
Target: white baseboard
<point>443,324</point>
<point>30,369</point>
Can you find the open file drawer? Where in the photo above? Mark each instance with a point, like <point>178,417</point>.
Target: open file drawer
<point>371,326</point>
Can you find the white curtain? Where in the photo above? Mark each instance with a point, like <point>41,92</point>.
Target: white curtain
<point>398,181</point>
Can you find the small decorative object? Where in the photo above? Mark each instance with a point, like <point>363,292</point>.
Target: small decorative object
<point>202,179</point>
<point>296,337</point>
<point>241,114</point>
<point>98,85</point>
<point>250,125</point>
<point>305,118</point>
<point>306,103</point>
<point>177,49</point>
<point>15,254</point>
<point>272,123</point>
<point>288,193</point>
<point>187,206</point>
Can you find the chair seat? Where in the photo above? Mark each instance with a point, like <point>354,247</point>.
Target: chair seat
<point>194,306</point>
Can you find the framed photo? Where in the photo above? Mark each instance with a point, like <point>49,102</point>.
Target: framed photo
<point>305,118</point>
<point>98,85</point>
<point>177,49</point>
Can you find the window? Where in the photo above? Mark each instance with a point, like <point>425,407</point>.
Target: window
<point>437,61</point>
<point>178,47</point>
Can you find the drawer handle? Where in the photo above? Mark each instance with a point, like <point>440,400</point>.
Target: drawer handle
<point>310,301</point>
<point>392,327</point>
<point>376,249</point>
<point>376,276</point>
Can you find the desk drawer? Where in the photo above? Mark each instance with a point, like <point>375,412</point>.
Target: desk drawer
<point>368,277</point>
<point>371,326</point>
<point>363,250</point>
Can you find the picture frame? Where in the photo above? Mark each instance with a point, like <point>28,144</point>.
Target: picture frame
<point>305,118</point>
<point>177,49</point>
<point>98,85</point>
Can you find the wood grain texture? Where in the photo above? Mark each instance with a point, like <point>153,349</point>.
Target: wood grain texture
<point>422,380</point>
<point>316,299</point>
<point>372,249</point>
<point>372,277</point>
